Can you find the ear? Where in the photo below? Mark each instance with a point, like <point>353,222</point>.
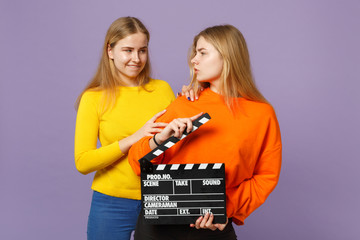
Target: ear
<point>109,50</point>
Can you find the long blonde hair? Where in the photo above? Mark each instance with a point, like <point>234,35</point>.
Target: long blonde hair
<point>106,77</point>
<point>236,77</point>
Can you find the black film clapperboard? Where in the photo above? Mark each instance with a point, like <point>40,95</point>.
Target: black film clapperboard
<point>180,193</point>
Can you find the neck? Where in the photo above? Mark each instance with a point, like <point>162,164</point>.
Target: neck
<point>127,82</point>
<point>214,88</point>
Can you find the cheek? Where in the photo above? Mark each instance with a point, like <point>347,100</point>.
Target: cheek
<point>143,58</point>
<point>120,62</point>
<point>216,67</point>
<point>219,68</point>
<point>124,58</point>
<point>121,58</point>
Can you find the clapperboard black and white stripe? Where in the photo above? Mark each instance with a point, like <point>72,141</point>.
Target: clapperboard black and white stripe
<point>180,193</point>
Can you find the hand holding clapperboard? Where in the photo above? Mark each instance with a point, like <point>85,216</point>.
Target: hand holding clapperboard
<point>180,193</point>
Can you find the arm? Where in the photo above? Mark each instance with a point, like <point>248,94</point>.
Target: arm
<point>88,157</point>
<point>149,129</point>
<point>243,199</point>
<point>251,193</point>
<point>175,128</point>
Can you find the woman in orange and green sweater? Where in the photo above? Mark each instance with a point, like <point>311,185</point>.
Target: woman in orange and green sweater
<point>243,133</point>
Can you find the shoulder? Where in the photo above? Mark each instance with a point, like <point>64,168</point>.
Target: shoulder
<point>91,96</point>
<point>158,84</point>
<point>258,109</point>
<point>181,107</point>
<point>93,93</point>
<point>160,87</point>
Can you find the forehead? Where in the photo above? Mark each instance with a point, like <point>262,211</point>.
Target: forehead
<point>203,44</point>
<point>133,40</point>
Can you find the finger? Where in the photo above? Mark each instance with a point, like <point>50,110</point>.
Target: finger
<point>187,96</point>
<point>189,125</point>
<point>176,131</point>
<point>192,94</point>
<point>159,125</point>
<point>196,116</point>
<point>181,127</point>
<point>185,91</point>
<point>198,221</point>
<point>175,125</point>
<point>209,223</point>
<point>205,219</point>
<point>155,130</point>
<point>168,131</point>
<point>149,131</point>
<point>213,228</point>
<point>221,227</point>
<point>156,116</point>
<point>152,131</point>
<point>196,94</point>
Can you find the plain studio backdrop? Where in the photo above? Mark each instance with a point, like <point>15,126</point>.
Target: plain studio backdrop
<point>306,60</point>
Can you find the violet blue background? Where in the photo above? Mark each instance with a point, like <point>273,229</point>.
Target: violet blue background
<point>306,60</point>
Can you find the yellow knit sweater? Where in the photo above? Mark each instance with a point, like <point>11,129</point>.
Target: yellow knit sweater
<point>134,106</point>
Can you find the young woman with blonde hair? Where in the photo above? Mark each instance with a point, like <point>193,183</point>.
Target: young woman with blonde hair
<point>243,133</point>
<point>115,108</point>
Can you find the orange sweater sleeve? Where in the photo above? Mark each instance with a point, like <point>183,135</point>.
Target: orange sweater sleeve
<point>252,192</point>
<point>137,151</point>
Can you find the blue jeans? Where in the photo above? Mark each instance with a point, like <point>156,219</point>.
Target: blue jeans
<point>112,218</point>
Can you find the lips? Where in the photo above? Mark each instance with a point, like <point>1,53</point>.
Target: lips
<point>196,70</point>
<point>134,66</point>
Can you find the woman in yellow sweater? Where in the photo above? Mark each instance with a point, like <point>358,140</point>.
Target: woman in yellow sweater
<point>115,108</point>
<point>243,133</point>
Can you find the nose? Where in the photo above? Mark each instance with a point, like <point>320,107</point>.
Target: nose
<point>194,60</point>
<point>135,57</point>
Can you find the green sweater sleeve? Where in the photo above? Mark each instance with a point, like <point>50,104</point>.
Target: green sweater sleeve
<point>88,157</point>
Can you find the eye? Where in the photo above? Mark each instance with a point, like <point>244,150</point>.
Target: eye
<point>143,51</point>
<point>128,50</point>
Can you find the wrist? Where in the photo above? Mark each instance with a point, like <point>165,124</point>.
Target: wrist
<point>156,141</point>
<point>133,139</point>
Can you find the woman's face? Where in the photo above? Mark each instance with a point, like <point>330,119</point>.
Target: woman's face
<point>130,55</point>
<point>207,63</point>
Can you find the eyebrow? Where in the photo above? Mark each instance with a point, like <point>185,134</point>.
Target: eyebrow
<point>133,48</point>
<point>200,49</point>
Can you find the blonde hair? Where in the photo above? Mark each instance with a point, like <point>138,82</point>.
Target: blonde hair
<point>236,77</point>
<point>106,77</point>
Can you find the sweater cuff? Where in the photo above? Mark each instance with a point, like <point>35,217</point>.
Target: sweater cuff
<point>115,150</point>
<point>146,145</point>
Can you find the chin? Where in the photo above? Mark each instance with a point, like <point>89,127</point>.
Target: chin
<point>133,75</point>
<point>202,80</point>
